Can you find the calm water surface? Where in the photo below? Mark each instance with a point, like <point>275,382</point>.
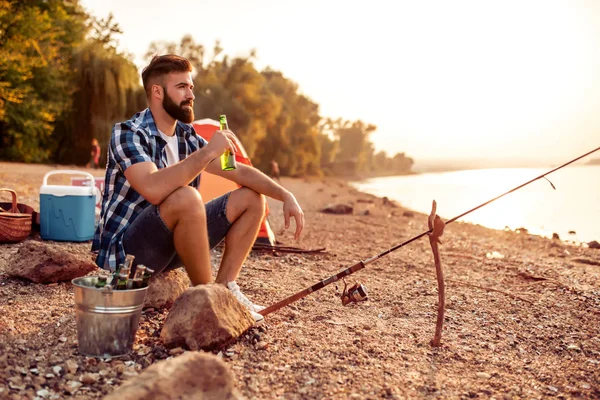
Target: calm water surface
<point>573,206</point>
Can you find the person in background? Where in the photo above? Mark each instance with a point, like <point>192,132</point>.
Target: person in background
<point>151,207</point>
<point>94,155</point>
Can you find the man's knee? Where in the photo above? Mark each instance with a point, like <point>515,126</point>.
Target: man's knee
<point>183,202</point>
<point>245,199</point>
<point>255,200</point>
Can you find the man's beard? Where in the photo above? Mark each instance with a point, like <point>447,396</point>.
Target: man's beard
<point>178,112</point>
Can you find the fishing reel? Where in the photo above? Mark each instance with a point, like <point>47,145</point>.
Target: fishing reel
<point>354,293</point>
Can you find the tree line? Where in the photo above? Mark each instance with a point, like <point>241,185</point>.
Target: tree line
<point>63,82</point>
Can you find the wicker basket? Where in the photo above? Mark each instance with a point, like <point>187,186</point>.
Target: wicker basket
<point>14,225</point>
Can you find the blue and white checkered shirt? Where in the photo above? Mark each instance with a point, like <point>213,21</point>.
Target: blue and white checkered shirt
<point>136,140</point>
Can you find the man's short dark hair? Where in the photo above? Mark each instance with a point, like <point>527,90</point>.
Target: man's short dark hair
<point>162,65</point>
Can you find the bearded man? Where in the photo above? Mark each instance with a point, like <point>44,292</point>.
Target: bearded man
<point>151,205</point>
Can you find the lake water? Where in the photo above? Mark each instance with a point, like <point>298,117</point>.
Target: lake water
<point>573,206</point>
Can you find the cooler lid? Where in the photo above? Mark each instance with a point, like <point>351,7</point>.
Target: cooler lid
<point>65,190</point>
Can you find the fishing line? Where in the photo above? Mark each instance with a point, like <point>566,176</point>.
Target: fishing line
<point>361,264</point>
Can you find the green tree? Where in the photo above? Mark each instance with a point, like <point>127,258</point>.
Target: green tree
<point>107,90</point>
<point>35,47</point>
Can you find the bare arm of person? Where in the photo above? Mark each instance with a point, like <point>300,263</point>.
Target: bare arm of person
<point>156,184</point>
<point>252,178</point>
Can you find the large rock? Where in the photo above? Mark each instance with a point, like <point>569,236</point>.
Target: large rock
<point>49,263</point>
<point>594,244</point>
<point>165,288</point>
<point>205,317</point>
<point>192,375</point>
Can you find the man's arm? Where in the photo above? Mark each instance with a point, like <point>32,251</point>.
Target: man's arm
<point>156,184</point>
<point>252,178</point>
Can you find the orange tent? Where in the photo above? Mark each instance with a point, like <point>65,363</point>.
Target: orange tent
<point>212,186</point>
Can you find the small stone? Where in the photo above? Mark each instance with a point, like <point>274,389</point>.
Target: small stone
<point>62,339</point>
<point>483,375</point>
<point>49,376</point>
<point>72,386</point>
<point>71,366</point>
<point>261,345</point>
<point>144,350</point>
<point>43,393</point>
<point>39,380</point>
<point>552,388</point>
<point>573,347</point>
<point>119,369</point>
<point>586,386</point>
<point>89,378</point>
<point>34,371</point>
<point>130,373</point>
<point>176,351</point>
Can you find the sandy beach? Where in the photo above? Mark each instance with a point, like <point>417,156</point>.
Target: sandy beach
<point>522,312</point>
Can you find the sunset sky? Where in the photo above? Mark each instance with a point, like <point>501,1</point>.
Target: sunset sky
<point>510,81</point>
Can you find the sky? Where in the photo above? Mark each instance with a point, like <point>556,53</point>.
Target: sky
<point>512,83</point>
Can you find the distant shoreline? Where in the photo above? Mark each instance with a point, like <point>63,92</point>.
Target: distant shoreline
<point>594,161</point>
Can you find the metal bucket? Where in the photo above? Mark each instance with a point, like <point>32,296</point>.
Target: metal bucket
<point>107,320</point>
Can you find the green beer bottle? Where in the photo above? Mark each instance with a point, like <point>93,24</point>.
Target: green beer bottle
<point>115,275</point>
<point>227,158</point>
<point>146,277</point>
<point>122,282</point>
<point>101,282</point>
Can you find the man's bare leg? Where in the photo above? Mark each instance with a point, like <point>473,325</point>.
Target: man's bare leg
<point>184,214</point>
<point>245,209</point>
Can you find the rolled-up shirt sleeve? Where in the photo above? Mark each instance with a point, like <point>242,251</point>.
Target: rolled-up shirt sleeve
<point>129,147</point>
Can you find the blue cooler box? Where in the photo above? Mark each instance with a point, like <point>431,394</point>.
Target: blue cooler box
<point>67,213</point>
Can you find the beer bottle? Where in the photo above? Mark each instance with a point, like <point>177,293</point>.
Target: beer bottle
<point>128,262</point>
<point>115,275</point>
<point>147,274</point>
<point>137,283</point>
<point>101,282</point>
<point>122,282</point>
<point>227,158</point>
<point>139,271</point>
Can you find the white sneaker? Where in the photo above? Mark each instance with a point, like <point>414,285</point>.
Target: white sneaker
<point>254,308</point>
<point>258,318</point>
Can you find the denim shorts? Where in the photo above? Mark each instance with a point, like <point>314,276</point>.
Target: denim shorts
<point>151,241</point>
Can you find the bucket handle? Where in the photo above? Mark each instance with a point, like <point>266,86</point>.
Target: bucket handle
<point>72,172</point>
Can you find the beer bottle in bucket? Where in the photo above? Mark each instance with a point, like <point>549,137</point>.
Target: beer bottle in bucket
<point>122,282</point>
<point>101,282</point>
<point>139,271</point>
<point>227,158</point>
<point>115,275</point>
<point>147,274</point>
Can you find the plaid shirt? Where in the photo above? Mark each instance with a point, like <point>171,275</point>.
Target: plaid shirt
<point>133,141</point>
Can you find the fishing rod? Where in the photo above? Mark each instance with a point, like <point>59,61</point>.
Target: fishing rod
<point>358,292</point>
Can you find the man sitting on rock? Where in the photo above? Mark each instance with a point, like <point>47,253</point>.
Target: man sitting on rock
<point>151,206</point>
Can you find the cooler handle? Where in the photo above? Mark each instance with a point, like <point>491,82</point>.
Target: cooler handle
<point>72,172</point>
